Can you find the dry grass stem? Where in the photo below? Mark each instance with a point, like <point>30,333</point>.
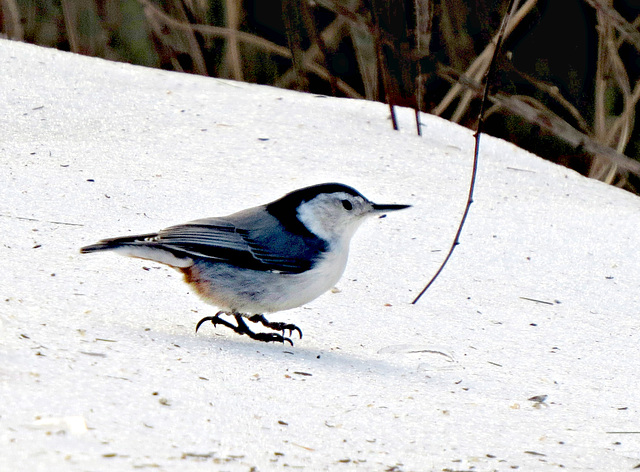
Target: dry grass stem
<point>216,31</point>
<point>552,123</point>
<point>193,47</point>
<point>627,31</point>
<point>381,49</point>
<point>479,66</point>
<point>331,36</point>
<point>69,14</point>
<point>12,18</point>
<point>564,130</point>
<point>554,92</point>
<point>611,79</point>
<point>233,58</point>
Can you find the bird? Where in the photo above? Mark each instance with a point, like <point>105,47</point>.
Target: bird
<point>264,259</point>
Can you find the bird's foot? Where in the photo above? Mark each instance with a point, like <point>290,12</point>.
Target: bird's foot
<point>242,328</point>
<point>275,325</point>
<point>216,320</point>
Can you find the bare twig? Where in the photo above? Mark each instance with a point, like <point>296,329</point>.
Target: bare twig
<point>513,5</point>
<point>395,49</point>
<point>536,300</point>
<point>376,9</point>
<point>424,18</point>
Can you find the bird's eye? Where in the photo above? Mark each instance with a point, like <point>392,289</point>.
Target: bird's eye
<point>347,205</point>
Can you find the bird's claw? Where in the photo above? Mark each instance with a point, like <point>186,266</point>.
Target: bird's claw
<point>215,320</point>
<point>276,326</point>
<point>269,337</point>
<point>242,327</point>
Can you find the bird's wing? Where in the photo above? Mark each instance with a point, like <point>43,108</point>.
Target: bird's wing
<point>266,246</point>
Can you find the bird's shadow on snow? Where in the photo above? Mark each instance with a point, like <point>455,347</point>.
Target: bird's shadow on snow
<point>393,360</point>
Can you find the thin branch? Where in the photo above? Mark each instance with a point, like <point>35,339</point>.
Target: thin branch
<point>513,5</point>
<point>424,16</point>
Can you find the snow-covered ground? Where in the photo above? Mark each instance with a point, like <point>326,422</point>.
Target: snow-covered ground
<point>100,368</point>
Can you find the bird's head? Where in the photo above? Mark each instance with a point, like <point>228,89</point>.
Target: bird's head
<point>330,211</point>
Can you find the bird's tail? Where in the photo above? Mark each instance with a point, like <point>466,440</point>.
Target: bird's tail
<point>112,244</point>
<point>143,246</point>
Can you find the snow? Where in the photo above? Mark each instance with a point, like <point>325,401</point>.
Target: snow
<point>100,368</point>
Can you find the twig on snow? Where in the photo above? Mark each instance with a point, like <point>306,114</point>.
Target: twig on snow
<point>513,5</point>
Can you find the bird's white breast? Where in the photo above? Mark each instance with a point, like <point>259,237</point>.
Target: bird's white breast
<point>309,285</point>
<point>253,292</point>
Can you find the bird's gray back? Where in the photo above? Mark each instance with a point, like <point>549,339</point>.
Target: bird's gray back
<point>252,239</point>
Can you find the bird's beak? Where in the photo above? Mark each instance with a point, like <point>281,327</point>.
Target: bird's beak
<point>384,208</point>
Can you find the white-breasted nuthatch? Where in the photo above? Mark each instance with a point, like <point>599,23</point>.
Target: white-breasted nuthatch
<point>264,259</point>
